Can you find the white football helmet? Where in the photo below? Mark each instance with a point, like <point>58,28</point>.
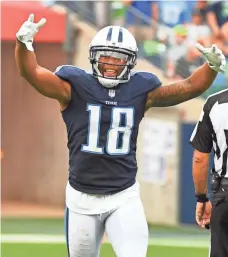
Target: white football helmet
<point>118,42</point>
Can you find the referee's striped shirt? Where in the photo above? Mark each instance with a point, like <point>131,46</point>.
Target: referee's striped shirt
<point>212,131</point>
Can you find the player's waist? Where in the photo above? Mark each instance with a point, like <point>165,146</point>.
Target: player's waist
<point>86,203</point>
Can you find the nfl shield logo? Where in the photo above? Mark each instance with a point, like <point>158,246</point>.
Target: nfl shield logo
<point>112,93</point>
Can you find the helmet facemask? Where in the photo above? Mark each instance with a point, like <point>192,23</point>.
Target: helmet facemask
<point>122,70</point>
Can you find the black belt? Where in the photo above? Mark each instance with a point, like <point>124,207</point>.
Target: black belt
<point>224,182</point>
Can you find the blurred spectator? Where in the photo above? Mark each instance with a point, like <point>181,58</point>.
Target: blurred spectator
<point>222,43</point>
<point>202,7</point>
<point>140,18</point>
<point>153,51</point>
<point>218,18</point>
<point>198,31</point>
<point>177,49</point>
<point>172,13</point>
<point>188,63</point>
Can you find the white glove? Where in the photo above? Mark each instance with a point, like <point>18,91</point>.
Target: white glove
<point>28,30</point>
<point>214,56</point>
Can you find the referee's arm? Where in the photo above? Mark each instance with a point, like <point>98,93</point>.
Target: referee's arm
<point>200,165</point>
<point>201,141</point>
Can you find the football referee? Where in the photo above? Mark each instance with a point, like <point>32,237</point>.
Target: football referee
<point>211,131</point>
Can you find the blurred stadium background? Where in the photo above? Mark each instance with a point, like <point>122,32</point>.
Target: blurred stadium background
<point>34,153</point>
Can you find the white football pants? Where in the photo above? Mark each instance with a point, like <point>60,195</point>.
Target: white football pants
<point>126,228</point>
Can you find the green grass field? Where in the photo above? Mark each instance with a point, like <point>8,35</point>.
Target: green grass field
<point>44,237</point>
<point>59,250</point>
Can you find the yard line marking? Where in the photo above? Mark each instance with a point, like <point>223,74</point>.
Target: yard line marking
<point>60,239</point>
<point>32,238</point>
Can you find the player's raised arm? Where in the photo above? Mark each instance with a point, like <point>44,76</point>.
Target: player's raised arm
<point>193,86</point>
<point>43,80</point>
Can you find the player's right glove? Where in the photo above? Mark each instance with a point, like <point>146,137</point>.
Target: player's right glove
<point>28,30</point>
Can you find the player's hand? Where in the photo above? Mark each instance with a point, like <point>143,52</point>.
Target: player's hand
<point>214,56</point>
<point>203,213</point>
<point>28,30</point>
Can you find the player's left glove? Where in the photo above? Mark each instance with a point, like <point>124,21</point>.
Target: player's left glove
<point>214,56</point>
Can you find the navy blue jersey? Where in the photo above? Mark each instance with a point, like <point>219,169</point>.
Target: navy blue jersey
<point>102,126</point>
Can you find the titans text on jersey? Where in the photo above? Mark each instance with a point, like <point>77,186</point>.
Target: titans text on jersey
<point>102,126</point>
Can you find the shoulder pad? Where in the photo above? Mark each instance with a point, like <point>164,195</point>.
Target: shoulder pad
<point>151,78</point>
<point>68,72</point>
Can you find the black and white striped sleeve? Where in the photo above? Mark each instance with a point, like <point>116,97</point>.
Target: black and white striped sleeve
<point>201,138</point>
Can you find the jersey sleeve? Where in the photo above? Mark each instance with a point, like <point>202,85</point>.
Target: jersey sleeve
<point>202,137</point>
<point>71,74</point>
<point>152,80</point>
<point>148,81</point>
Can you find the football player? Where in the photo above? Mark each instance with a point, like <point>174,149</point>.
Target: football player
<point>102,111</point>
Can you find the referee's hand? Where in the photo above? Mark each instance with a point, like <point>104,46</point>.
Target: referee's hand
<point>203,213</point>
